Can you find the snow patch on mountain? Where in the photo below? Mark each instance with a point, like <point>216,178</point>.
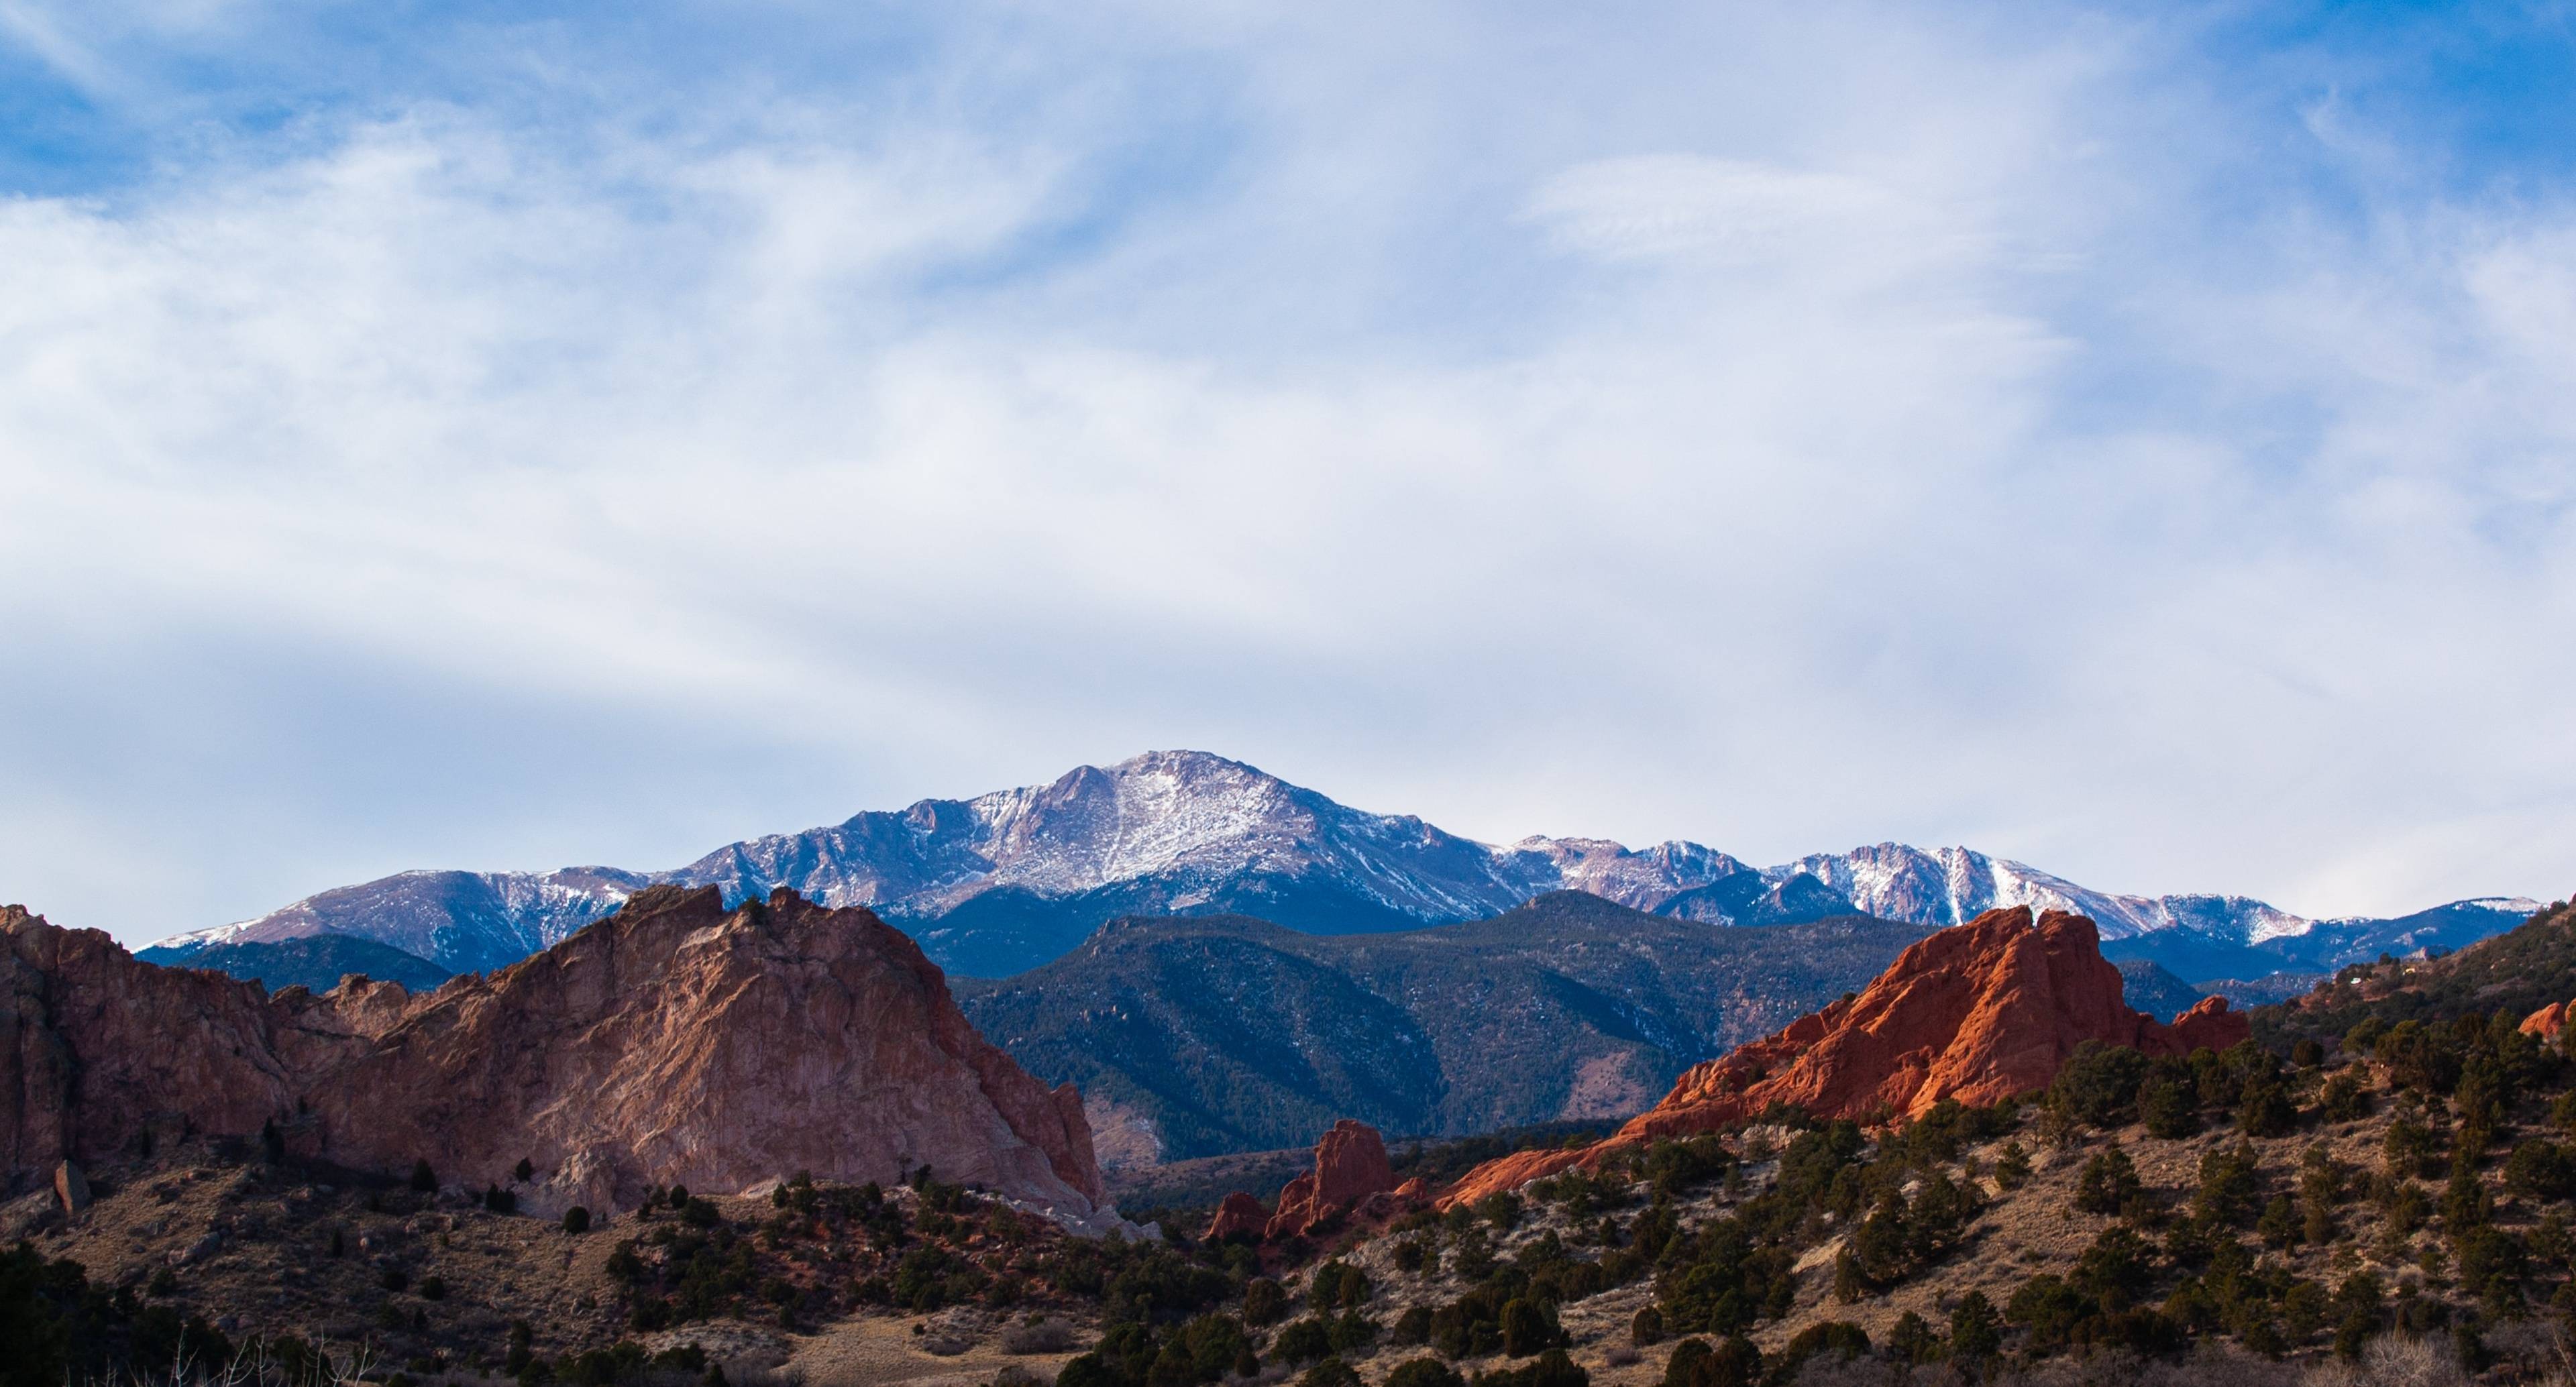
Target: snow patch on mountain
<point>1182,832</point>
<point>1946,886</point>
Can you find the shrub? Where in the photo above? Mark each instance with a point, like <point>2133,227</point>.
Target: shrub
<point>1305,1341</point>
<point>2098,1085</point>
<point>2266,1110</point>
<point>2231,1187</point>
<point>1352,1333</point>
<point>1976,1333</point>
<point>1527,1329</point>
<point>1332,1372</point>
<point>1830,1337</point>
<point>433,1287</point>
<point>1424,1372</point>
<point>423,1179</point>
<point>1912,1340</point>
<point>2345,1097</point>
<point>1264,1301</point>
<point>524,1171</point>
<point>2012,1167</point>
<point>2169,1108</point>
<point>2050,1309</point>
<point>1337,1285</point>
<point>1646,1327</point>
<point>2116,1269</point>
<point>2542,1169</point>
<point>576,1220</point>
<point>2108,1182</point>
<point>2279,1222</point>
<point>1553,1369</point>
<point>500,1201</point>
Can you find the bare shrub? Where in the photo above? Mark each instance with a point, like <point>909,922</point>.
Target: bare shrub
<point>1054,1334</point>
<point>1834,1370</point>
<point>1621,1355</point>
<point>2393,1360</point>
<point>2209,1365</point>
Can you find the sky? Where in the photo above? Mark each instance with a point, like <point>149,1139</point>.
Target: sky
<point>2138,440</point>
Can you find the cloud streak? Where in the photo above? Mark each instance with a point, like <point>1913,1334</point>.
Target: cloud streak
<point>1784,432</point>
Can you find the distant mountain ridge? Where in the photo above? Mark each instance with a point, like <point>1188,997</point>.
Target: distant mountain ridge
<point>1195,1036</point>
<point>314,962</point>
<point>1003,882</point>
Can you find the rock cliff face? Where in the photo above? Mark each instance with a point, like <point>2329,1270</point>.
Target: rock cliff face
<point>1351,1180</point>
<point>1350,1166</point>
<point>1979,1012</point>
<point>675,1041</point>
<point>2546,1022</point>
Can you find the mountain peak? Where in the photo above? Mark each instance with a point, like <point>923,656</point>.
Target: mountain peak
<point>1003,881</point>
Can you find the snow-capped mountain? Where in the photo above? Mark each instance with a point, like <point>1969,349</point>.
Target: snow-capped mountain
<point>466,921</point>
<point>1005,881</point>
<point>1948,885</point>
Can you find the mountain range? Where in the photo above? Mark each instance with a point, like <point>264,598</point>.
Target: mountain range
<point>1004,882</point>
<point>1195,1036</point>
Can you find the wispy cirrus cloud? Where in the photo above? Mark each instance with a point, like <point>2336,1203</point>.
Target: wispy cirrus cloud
<point>610,436</point>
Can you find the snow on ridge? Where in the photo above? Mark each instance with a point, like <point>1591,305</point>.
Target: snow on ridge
<point>1195,826</point>
<point>1946,886</point>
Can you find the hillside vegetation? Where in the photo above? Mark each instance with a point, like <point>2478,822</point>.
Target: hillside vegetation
<point>1233,1034</point>
<point>315,962</point>
<point>2517,972</point>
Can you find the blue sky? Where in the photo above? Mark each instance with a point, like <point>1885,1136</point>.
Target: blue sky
<point>2137,440</point>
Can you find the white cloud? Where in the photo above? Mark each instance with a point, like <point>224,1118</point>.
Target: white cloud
<point>1692,451</point>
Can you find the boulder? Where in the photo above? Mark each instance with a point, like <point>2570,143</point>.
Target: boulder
<point>1979,1012</point>
<point>2546,1022</point>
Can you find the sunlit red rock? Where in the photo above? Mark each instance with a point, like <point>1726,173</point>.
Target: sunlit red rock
<point>1978,1012</point>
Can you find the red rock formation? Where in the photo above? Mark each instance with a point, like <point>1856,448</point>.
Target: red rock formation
<point>2546,1022</point>
<point>1240,1216</point>
<point>1350,1166</point>
<point>673,1042</point>
<point>1979,1012</point>
<point>1351,1181</point>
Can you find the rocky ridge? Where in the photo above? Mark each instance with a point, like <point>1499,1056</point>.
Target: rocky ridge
<point>1005,881</point>
<point>677,1041</point>
<point>1977,1013</point>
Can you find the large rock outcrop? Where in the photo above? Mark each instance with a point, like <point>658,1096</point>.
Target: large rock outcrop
<point>1350,1167</point>
<point>1352,1181</point>
<point>1978,1012</point>
<point>676,1041</point>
